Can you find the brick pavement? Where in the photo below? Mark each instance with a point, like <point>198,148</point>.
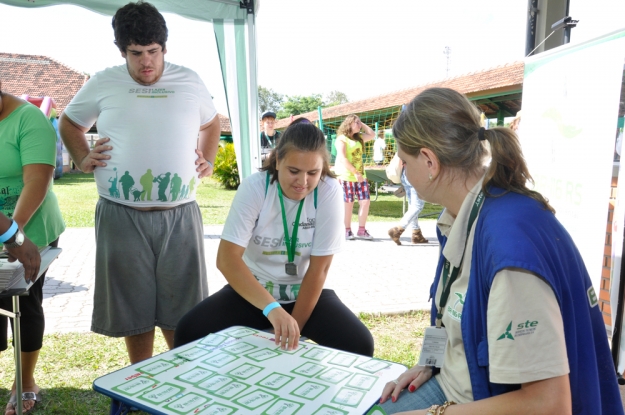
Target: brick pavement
<point>369,276</point>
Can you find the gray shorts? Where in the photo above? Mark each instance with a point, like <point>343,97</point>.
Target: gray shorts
<point>150,267</point>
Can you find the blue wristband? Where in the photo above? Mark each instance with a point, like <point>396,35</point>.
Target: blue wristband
<point>211,164</point>
<point>9,233</point>
<point>270,307</point>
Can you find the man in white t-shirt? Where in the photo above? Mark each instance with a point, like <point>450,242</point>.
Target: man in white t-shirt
<point>160,136</point>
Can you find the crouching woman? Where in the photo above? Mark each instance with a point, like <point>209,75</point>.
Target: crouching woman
<point>283,229</point>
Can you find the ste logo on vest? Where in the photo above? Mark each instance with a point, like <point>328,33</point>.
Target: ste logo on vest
<point>455,311</point>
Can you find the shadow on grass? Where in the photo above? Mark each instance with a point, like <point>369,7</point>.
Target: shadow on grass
<point>64,401</point>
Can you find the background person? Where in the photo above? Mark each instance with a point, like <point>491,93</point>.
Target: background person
<point>27,162</point>
<point>276,272</point>
<point>150,266</point>
<point>269,137</point>
<point>411,217</point>
<point>524,330</point>
<point>378,148</point>
<point>350,145</point>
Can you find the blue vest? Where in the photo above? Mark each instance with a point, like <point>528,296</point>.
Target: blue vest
<point>516,231</point>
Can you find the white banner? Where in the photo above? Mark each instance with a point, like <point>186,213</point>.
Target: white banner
<point>570,111</point>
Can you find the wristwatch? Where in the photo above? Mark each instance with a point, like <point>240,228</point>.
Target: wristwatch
<point>15,241</point>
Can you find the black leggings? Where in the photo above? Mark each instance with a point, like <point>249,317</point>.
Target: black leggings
<point>32,320</point>
<point>330,324</point>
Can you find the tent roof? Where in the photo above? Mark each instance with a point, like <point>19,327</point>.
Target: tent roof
<point>206,10</point>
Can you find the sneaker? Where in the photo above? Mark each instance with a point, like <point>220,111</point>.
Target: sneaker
<point>364,235</point>
<point>349,235</point>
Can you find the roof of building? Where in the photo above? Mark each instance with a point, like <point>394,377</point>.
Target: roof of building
<point>224,123</point>
<point>500,80</point>
<point>38,75</point>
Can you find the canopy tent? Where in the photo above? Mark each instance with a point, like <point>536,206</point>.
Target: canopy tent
<point>235,34</point>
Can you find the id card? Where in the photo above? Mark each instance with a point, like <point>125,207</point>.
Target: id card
<point>434,344</point>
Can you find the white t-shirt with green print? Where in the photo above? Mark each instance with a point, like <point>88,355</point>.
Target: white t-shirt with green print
<point>255,223</point>
<point>153,131</point>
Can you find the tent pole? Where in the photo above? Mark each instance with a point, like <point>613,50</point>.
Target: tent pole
<point>253,121</point>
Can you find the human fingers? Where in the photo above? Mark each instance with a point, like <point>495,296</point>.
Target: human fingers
<point>206,172</point>
<point>391,390</point>
<point>285,337</point>
<point>200,156</point>
<point>101,141</point>
<point>422,377</point>
<point>97,149</point>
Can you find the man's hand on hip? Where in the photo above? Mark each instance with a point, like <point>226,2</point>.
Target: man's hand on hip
<point>204,167</point>
<point>95,156</point>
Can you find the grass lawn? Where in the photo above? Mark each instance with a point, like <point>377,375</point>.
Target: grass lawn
<point>69,363</point>
<point>77,197</point>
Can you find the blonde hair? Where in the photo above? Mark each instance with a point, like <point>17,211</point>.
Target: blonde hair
<point>447,123</point>
<point>346,129</point>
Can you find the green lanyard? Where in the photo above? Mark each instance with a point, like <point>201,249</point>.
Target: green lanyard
<point>290,242</point>
<point>448,281</point>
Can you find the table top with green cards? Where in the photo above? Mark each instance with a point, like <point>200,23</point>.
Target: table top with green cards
<point>241,370</point>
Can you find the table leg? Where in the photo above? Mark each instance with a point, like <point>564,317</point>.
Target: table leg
<point>17,343</point>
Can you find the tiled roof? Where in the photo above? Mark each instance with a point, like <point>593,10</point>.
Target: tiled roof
<point>500,79</point>
<point>224,122</point>
<point>38,75</point>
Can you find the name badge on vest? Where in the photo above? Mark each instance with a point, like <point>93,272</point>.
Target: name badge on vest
<point>434,345</point>
<point>290,268</point>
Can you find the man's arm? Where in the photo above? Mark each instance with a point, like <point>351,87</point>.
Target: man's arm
<point>74,138</point>
<point>208,144</point>
<point>27,254</point>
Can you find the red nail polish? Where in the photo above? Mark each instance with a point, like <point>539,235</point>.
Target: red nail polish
<point>393,399</point>
<point>411,388</point>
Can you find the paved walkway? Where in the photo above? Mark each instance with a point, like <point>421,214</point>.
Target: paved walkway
<point>369,276</point>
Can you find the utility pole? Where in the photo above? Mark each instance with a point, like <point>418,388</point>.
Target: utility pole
<point>447,52</point>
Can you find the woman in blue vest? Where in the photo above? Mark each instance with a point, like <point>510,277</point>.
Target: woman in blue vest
<point>513,305</point>
<point>277,245</point>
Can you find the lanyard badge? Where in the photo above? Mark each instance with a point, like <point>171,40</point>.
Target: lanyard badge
<point>435,338</point>
<point>291,242</point>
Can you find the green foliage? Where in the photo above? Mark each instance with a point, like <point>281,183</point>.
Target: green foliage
<point>298,104</point>
<point>226,169</point>
<point>268,100</point>
<point>336,98</point>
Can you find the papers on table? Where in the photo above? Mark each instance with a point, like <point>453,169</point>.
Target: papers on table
<point>12,273</point>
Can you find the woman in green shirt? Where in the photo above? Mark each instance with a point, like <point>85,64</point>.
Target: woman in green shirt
<point>27,161</point>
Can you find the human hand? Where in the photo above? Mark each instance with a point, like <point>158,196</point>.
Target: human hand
<point>95,156</point>
<point>285,328</point>
<point>412,378</point>
<point>203,166</point>
<point>28,255</point>
<point>359,177</point>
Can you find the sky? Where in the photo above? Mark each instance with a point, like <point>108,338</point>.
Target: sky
<point>363,48</point>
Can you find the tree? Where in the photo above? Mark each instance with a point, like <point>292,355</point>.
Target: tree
<point>298,104</point>
<point>336,98</point>
<point>268,100</point>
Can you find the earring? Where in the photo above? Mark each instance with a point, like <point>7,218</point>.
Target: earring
<point>430,177</point>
